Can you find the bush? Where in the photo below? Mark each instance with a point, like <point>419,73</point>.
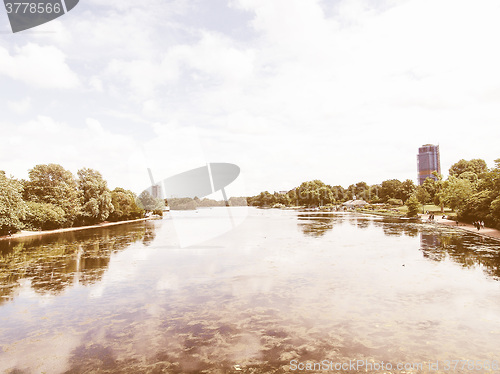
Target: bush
<point>413,206</point>
<point>278,206</point>
<point>395,202</point>
<point>44,216</point>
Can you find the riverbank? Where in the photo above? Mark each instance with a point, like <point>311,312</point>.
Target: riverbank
<point>487,232</point>
<point>23,234</point>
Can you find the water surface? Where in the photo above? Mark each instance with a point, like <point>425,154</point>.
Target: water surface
<point>282,286</point>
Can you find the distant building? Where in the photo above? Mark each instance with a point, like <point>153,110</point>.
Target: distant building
<point>428,162</point>
<point>351,204</point>
<point>156,191</point>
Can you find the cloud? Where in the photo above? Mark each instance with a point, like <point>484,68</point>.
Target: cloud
<point>39,66</point>
<point>21,106</point>
<point>313,89</point>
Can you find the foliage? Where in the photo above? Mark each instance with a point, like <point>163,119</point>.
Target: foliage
<point>96,201</point>
<point>44,216</point>
<point>456,191</point>
<point>147,202</point>
<point>413,206</point>
<point>407,189</point>
<point>52,184</point>
<point>390,189</point>
<point>278,206</point>
<point>237,201</point>
<point>124,206</point>
<point>422,195</point>
<point>395,202</point>
<point>184,203</point>
<point>476,207</point>
<point>476,166</point>
<point>12,206</point>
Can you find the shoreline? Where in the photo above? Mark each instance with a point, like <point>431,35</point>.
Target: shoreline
<point>25,234</point>
<point>487,232</point>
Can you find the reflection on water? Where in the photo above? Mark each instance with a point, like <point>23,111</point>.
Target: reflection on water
<point>317,224</point>
<point>282,286</point>
<point>53,262</point>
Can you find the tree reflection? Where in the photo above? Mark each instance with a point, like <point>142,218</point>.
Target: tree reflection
<point>317,224</point>
<point>53,262</point>
<point>398,227</point>
<point>466,249</point>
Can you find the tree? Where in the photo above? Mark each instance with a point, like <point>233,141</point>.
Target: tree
<point>456,191</point>
<point>95,197</point>
<point>147,202</point>
<point>476,166</point>
<point>52,184</point>
<point>422,195</point>
<point>12,206</point>
<point>413,206</point>
<point>407,189</point>
<point>477,206</point>
<point>495,212</point>
<point>124,205</point>
<point>43,216</point>
<point>390,189</point>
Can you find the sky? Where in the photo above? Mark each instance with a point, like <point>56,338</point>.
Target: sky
<point>288,90</point>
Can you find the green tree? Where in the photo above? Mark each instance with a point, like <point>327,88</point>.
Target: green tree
<point>476,166</point>
<point>12,206</point>
<point>124,205</point>
<point>477,206</point>
<point>52,184</point>
<point>495,212</point>
<point>456,191</point>
<point>407,189</point>
<point>43,216</point>
<point>422,195</point>
<point>413,206</point>
<point>147,202</point>
<point>390,189</point>
<point>95,197</point>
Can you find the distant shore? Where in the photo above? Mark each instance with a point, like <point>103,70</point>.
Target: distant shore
<point>24,234</point>
<point>487,232</point>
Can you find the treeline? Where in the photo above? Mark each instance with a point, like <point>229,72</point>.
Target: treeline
<point>191,204</point>
<point>53,198</point>
<point>471,190</point>
<point>317,193</point>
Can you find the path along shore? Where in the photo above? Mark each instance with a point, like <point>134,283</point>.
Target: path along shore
<point>23,234</point>
<point>487,232</point>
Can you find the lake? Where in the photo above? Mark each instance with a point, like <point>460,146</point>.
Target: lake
<point>282,290</point>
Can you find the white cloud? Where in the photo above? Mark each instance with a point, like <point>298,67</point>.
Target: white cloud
<point>21,106</point>
<point>39,66</point>
<point>312,89</point>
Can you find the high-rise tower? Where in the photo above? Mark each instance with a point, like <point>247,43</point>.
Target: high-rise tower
<point>428,162</point>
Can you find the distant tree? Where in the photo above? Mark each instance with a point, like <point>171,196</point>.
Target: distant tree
<point>390,189</point>
<point>495,212</point>
<point>407,189</point>
<point>147,202</point>
<point>476,166</point>
<point>12,206</point>
<point>477,206</point>
<point>237,201</point>
<point>456,191</point>
<point>95,196</point>
<point>125,206</point>
<point>422,195</point>
<point>52,184</point>
<point>413,206</point>
<point>431,187</point>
